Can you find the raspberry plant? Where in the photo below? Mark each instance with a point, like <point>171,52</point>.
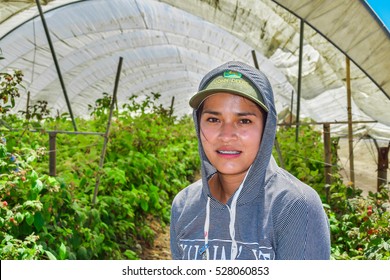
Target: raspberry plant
<point>151,156</point>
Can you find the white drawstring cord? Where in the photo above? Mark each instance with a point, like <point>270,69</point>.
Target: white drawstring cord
<point>204,252</point>
<point>206,230</point>
<point>232,223</point>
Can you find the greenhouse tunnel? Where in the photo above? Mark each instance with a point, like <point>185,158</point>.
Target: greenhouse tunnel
<point>168,45</point>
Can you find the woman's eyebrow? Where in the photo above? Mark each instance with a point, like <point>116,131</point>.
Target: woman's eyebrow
<point>244,114</point>
<point>211,112</point>
<point>240,114</point>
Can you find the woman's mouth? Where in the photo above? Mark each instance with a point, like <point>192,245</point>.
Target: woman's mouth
<point>224,152</point>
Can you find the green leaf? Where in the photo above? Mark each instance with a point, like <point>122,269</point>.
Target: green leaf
<point>386,246</point>
<point>83,182</point>
<point>38,221</point>
<point>50,256</point>
<point>33,176</point>
<point>38,186</point>
<point>19,217</point>
<point>326,205</point>
<point>29,218</point>
<point>334,228</point>
<point>144,205</point>
<point>95,214</point>
<point>62,252</point>
<point>82,253</point>
<point>52,181</point>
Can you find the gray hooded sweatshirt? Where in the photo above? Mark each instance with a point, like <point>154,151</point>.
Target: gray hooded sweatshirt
<point>272,215</point>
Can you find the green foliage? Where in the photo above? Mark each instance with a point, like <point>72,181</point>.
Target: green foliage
<point>9,89</point>
<point>360,226</point>
<point>37,111</point>
<point>21,205</point>
<point>151,155</point>
<point>102,105</point>
<point>304,163</point>
<point>143,170</point>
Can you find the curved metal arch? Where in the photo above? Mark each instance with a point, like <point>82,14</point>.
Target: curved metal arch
<point>355,30</point>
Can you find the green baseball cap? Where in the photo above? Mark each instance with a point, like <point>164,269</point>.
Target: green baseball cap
<point>230,82</point>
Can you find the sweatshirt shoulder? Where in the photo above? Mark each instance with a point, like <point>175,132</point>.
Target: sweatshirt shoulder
<point>300,224</point>
<point>286,188</point>
<point>187,196</point>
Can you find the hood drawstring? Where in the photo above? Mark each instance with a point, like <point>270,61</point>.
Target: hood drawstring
<point>232,210</point>
<point>204,251</point>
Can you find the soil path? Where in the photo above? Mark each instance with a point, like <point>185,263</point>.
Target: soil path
<point>160,250</point>
<point>365,162</point>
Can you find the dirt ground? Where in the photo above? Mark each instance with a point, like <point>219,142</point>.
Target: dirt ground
<point>365,162</point>
<point>160,249</point>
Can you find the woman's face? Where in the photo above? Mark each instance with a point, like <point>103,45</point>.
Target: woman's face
<point>231,128</point>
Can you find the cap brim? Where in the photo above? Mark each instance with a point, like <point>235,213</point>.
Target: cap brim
<point>200,96</point>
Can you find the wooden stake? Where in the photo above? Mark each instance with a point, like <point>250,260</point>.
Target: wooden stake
<point>328,154</point>
<point>383,165</point>
<point>350,133</point>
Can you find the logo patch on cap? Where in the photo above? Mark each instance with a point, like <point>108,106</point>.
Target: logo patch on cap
<point>229,82</point>
<point>232,74</point>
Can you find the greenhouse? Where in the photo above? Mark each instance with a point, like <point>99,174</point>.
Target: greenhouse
<point>167,43</point>
<point>328,63</point>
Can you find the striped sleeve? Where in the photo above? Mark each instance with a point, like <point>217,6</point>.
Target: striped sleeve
<point>301,227</point>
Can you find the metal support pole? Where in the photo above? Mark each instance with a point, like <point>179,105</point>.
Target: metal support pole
<point>299,79</point>
<point>255,59</point>
<point>56,63</point>
<point>279,152</point>
<point>52,154</point>
<point>328,154</point>
<point>28,105</point>
<point>103,153</point>
<point>171,108</point>
<point>350,133</point>
<point>292,107</point>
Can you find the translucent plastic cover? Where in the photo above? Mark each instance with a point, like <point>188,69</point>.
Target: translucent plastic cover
<point>167,46</point>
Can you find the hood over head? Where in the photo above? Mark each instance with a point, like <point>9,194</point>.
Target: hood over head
<point>244,80</point>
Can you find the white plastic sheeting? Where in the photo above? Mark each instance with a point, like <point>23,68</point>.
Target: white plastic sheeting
<point>353,28</point>
<point>165,50</point>
<point>168,50</point>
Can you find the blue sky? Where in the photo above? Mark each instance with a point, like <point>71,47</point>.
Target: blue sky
<point>382,9</point>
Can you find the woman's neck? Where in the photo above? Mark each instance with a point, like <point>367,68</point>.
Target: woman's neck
<point>223,187</point>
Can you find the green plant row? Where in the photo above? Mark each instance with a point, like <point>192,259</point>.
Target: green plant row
<point>151,155</point>
<point>360,225</point>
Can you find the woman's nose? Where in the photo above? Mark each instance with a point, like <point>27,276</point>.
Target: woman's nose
<point>228,131</point>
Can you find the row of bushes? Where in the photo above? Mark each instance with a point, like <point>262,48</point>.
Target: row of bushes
<point>151,156</point>
<point>360,225</point>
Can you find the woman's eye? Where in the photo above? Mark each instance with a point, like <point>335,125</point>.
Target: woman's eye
<point>245,121</point>
<point>212,120</point>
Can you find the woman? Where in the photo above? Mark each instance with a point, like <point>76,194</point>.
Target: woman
<point>245,206</point>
